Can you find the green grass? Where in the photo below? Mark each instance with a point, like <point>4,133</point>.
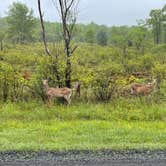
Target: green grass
<point>33,126</point>
<point>81,135</point>
<point>117,110</point>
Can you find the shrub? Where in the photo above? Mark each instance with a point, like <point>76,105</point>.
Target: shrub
<point>104,85</point>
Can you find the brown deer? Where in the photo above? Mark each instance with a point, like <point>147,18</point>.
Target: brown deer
<point>52,92</point>
<point>143,89</point>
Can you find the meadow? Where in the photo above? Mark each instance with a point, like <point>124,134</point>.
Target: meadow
<point>95,121</point>
<point>81,126</point>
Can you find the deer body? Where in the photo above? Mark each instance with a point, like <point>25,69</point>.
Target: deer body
<point>57,92</point>
<point>143,89</point>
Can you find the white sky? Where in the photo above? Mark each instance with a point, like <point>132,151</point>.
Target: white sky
<point>108,12</point>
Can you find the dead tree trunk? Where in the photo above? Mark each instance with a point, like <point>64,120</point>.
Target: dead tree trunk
<point>67,11</point>
<point>43,29</point>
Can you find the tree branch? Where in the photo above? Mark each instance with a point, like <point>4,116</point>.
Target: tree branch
<point>43,29</point>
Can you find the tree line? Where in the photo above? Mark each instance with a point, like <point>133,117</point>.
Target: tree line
<point>20,26</point>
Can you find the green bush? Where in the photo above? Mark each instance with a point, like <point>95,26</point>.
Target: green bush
<point>11,83</point>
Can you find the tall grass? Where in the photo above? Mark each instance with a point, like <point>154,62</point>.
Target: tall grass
<point>132,110</point>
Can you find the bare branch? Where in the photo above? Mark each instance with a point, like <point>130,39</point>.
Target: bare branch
<point>70,5</point>
<point>68,16</point>
<point>43,29</point>
<point>72,51</point>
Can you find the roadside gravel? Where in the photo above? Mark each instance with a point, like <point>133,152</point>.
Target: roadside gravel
<point>84,158</point>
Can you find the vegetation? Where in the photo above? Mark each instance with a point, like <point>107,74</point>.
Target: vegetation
<point>100,70</point>
<point>21,23</point>
<point>33,126</point>
<point>81,135</point>
<point>157,22</point>
<point>114,111</point>
<point>107,61</point>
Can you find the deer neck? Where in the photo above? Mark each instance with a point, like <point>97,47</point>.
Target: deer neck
<point>152,84</point>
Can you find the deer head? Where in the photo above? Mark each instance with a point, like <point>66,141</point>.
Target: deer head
<point>45,82</point>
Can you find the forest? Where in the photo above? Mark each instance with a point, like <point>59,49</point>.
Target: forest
<point>117,76</point>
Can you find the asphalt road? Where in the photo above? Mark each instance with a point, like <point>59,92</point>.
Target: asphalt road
<point>90,163</point>
<point>84,158</point>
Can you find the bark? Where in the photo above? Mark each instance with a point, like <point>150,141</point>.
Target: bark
<point>43,29</point>
<point>68,27</point>
<point>68,73</point>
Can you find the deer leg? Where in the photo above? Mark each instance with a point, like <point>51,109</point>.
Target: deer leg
<point>69,100</point>
<point>131,91</point>
<point>49,102</point>
<point>69,97</point>
<point>66,98</point>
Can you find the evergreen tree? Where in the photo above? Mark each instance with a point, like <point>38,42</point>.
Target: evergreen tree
<point>21,23</point>
<point>102,37</point>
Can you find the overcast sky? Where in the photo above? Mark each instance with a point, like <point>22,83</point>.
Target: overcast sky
<point>107,12</point>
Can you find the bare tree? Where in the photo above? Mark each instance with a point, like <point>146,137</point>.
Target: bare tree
<point>43,29</point>
<point>68,13</point>
<point>55,56</point>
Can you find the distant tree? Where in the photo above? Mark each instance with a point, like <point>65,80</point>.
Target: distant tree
<point>21,23</point>
<point>164,24</point>
<point>90,36</point>
<point>155,21</point>
<point>2,35</point>
<point>120,38</point>
<point>79,35</point>
<point>102,37</point>
<point>138,37</point>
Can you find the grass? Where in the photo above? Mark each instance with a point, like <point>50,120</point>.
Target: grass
<point>121,110</point>
<point>81,135</point>
<point>33,126</point>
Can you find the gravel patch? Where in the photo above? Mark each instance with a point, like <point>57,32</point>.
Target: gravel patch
<point>84,158</point>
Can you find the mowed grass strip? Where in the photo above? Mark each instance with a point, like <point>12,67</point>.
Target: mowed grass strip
<point>80,135</point>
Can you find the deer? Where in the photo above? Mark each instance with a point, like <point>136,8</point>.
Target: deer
<point>143,89</point>
<point>52,92</point>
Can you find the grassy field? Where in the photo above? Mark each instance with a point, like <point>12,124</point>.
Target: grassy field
<point>81,135</point>
<point>34,126</point>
